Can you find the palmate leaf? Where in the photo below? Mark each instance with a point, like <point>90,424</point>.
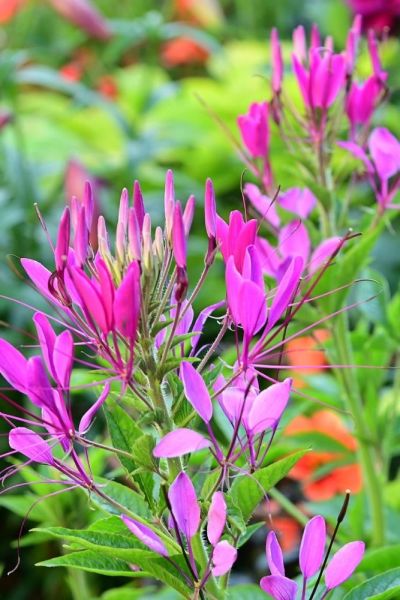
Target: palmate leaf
<point>246,591</point>
<point>385,586</point>
<point>248,490</point>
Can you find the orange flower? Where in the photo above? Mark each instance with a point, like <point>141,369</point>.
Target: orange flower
<point>9,8</point>
<point>183,51</point>
<point>339,479</point>
<point>206,13</point>
<point>107,86</point>
<point>71,71</point>
<point>303,351</point>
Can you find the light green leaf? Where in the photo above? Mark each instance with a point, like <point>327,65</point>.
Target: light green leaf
<point>381,559</point>
<point>385,586</point>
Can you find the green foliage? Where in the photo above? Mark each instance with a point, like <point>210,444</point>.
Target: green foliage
<point>248,490</point>
<point>385,586</point>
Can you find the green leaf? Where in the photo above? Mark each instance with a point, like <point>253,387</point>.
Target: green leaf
<point>122,594</point>
<point>381,559</point>
<point>246,591</point>
<point>123,431</point>
<point>248,490</point>
<point>381,587</point>
<point>122,494</point>
<point>93,562</point>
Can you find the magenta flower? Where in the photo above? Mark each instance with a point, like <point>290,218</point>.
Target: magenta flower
<point>311,558</point>
<point>196,391</point>
<point>322,82</point>
<point>180,442</point>
<point>184,505</point>
<point>30,444</point>
<point>255,130</point>
<point>216,518</point>
<point>276,62</point>
<point>223,557</point>
<point>361,102</point>
<point>235,237</point>
<point>383,166</point>
<point>343,564</point>
<point>300,201</point>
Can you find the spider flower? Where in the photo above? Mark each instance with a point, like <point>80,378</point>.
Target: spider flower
<point>382,165</point>
<point>311,557</point>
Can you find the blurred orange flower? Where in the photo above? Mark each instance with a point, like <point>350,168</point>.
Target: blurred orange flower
<point>107,86</point>
<point>72,71</point>
<point>206,13</point>
<point>339,479</point>
<point>304,352</point>
<point>9,8</point>
<point>183,51</point>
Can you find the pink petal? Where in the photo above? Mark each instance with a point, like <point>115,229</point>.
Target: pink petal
<point>107,290</point>
<point>224,555</point>
<point>385,151</point>
<point>268,407</point>
<point>127,302</point>
<point>145,535</point>
<point>280,588</point>
<point>138,204</point>
<point>274,555</point>
<point>210,210</point>
<point>179,237</point>
<point>90,300</point>
<point>322,253</point>
<point>179,442</point>
<point>233,284</point>
<point>39,389</point>
<point>312,548</point>
<point>13,366</point>
<point>263,204</point>
<point>62,245</point>
<point>294,240</point>
<point>252,307</point>
<point>184,505</point>
<point>343,564</point>
<point>40,276</point>
<point>286,290</point>
<point>63,357</point>
<point>47,338</point>
<point>196,391</point>
<point>188,214</point>
<point>300,201</point>
<point>87,419</point>
<point>216,519</point>
<point>31,445</point>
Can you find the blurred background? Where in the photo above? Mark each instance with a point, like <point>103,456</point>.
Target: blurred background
<point>115,91</point>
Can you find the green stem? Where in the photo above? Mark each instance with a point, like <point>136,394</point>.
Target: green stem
<point>366,454</point>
